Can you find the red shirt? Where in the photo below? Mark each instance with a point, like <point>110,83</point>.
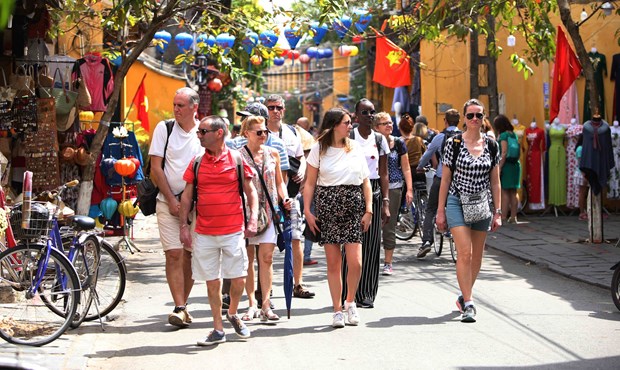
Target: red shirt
<point>219,204</point>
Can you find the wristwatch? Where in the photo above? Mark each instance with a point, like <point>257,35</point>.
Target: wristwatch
<point>498,211</point>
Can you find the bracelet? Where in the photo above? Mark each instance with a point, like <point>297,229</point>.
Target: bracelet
<point>386,200</point>
<point>184,225</point>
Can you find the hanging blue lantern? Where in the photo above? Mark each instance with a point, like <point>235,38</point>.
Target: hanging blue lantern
<point>211,41</point>
<point>165,37</point>
<point>268,38</point>
<point>320,53</point>
<point>293,36</point>
<point>108,207</point>
<point>249,42</point>
<point>278,61</point>
<point>184,41</point>
<point>318,32</point>
<point>203,39</point>
<point>342,26</point>
<point>313,52</point>
<point>225,40</point>
<point>363,21</point>
<point>328,53</point>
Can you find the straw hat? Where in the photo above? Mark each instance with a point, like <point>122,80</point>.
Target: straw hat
<point>67,154</point>
<point>66,121</point>
<point>81,156</point>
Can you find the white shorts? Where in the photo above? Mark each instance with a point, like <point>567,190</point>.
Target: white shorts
<point>297,222</point>
<point>219,256</point>
<point>267,236</point>
<point>168,227</point>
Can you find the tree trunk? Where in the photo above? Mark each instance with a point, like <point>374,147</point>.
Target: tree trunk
<point>474,62</point>
<point>104,124</point>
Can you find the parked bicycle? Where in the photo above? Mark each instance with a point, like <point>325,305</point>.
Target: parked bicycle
<point>411,219</point>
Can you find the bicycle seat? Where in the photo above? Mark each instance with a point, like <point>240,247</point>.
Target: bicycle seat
<point>83,223</point>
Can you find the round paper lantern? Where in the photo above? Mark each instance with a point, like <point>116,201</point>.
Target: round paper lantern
<point>278,61</point>
<point>165,37</point>
<point>320,54</point>
<point>283,52</point>
<point>124,167</point>
<point>354,50</point>
<point>108,207</point>
<point>256,60</point>
<point>318,32</point>
<point>136,161</point>
<point>107,166</point>
<point>86,116</point>
<point>184,41</point>
<point>268,38</point>
<point>215,85</point>
<point>312,52</point>
<point>304,58</point>
<point>294,54</point>
<point>328,53</point>
<point>357,39</point>
<point>225,40</point>
<point>344,50</point>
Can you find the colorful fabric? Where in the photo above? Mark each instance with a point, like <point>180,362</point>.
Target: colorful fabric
<point>557,166</point>
<point>572,165</point>
<point>534,167</point>
<point>391,64</point>
<point>565,72</point>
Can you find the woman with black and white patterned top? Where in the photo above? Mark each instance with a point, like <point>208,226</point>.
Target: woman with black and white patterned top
<point>476,170</point>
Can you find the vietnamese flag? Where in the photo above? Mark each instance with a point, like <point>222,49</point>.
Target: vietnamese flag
<point>391,64</point>
<point>142,103</point>
<point>565,72</point>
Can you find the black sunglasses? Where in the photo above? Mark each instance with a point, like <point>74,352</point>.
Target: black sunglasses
<point>368,112</point>
<point>203,131</point>
<point>279,108</point>
<point>261,132</point>
<point>472,115</point>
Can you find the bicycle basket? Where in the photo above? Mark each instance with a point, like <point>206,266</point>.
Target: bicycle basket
<point>40,221</point>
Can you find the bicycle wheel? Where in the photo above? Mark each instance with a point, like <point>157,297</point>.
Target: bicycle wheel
<point>26,317</point>
<point>438,244</point>
<point>405,227</point>
<point>110,284</point>
<point>615,287</point>
<point>452,249</point>
<point>86,261</point>
<point>420,209</point>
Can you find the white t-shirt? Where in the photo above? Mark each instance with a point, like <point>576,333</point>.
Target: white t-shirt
<point>371,152</point>
<point>182,148</point>
<point>337,167</point>
<point>292,141</point>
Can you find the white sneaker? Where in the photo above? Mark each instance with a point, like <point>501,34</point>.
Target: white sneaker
<point>338,320</point>
<point>352,315</point>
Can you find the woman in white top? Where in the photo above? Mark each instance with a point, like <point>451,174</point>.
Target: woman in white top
<point>337,179</point>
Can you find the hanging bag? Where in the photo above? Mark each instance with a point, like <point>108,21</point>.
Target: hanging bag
<point>475,206</point>
<point>65,99</point>
<point>44,78</point>
<point>83,96</point>
<point>23,81</point>
<point>7,94</point>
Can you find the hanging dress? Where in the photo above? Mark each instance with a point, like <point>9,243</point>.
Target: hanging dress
<point>557,166</point>
<point>534,167</point>
<point>614,177</point>
<point>599,62</point>
<point>519,130</point>
<point>572,165</point>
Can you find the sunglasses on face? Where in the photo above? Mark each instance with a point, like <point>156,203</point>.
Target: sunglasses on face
<point>472,115</point>
<point>368,112</point>
<point>279,108</point>
<point>203,131</point>
<point>261,132</point>
<point>384,123</point>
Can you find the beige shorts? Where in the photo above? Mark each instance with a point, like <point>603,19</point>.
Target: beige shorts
<point>168,227</point>
<point>267,236</point>
<point>219,256</point>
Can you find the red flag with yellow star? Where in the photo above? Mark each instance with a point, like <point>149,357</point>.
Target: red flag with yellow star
<point>391,64</point>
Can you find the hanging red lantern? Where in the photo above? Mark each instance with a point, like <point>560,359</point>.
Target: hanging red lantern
<point>124,167</point>
<point>357,39</point>
<point>304,58</point>
<point>294,54</point>
<point>256,60</point>
<point>215,85</point>
<point>135,161</point>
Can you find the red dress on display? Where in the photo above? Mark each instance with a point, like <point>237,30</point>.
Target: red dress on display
<point>534,167</point>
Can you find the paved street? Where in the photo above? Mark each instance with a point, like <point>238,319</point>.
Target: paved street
<point>528,315</point>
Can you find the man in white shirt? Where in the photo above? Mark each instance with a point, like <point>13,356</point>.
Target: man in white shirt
<point>296,173</point>
<point>170,156</point>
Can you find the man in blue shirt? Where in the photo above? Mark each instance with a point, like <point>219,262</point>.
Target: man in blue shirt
<point>451,120</point>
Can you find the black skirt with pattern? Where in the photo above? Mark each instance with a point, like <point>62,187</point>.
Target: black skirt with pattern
<point>340,210</point>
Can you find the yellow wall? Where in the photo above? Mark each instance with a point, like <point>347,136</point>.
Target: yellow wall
<point>160,91</point>
<point>445,73</point>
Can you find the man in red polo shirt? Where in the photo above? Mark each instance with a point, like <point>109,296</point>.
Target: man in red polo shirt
<point>218,249</point>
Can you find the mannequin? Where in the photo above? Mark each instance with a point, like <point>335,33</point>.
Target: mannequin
<point>535,137</point>
<point>614,177</point>
<point>599,62</point>
<point>572,165</point>
<point>557,164</point>
<point>397,111</point>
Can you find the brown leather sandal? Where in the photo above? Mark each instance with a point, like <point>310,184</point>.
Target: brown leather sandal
<point>300,292</point>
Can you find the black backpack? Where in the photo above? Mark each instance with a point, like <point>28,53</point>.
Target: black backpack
<point>458,140</point>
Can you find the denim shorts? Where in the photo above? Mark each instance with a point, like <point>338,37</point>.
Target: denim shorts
<point>454,216</point>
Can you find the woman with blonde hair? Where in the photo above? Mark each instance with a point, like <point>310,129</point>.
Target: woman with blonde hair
<point>270,187</point>
<point>399,173</point>
<point>337,180</point>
